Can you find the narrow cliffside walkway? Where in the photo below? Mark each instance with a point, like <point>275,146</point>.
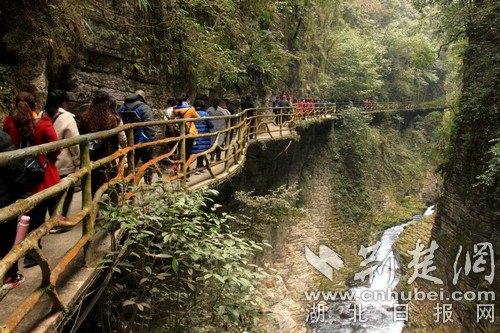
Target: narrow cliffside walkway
<point>77,280</point>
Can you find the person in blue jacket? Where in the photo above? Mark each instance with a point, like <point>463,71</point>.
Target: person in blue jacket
<point>203,126</point>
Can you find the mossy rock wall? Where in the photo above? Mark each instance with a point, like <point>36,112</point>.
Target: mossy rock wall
<point>79,47</point>
<point>281,161</point>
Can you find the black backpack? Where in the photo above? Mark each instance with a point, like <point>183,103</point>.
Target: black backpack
<point>134,115</point>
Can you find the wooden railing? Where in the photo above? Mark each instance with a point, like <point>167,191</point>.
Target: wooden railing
<point>252,124</point>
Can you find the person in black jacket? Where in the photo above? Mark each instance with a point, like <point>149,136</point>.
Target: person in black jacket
<point>13,186</point>
<point>285,108</point>
<point>247,103</point>
<point>134,110</point>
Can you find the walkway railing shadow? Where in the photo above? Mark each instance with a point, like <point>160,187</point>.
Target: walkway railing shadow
<point>252,124</point>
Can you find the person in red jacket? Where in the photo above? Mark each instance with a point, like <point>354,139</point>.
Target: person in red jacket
<point>26,131</point>
<point>301,108</point>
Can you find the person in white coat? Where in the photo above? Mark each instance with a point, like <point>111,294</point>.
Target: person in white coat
<point>218,108</point>
<point>65,126</point>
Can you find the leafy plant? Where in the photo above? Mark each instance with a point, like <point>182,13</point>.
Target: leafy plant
<point>180,267</point>
<point>144,5</point>
<point>491,175</point>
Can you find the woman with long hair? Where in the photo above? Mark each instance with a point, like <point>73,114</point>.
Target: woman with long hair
<point>98,118</point>
<point>65,126</point>
<point>26,131</point>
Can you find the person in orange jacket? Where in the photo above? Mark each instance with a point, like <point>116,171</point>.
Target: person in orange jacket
<point>185,110</point>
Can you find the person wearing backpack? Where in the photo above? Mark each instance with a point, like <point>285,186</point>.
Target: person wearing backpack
<point>26,131</point>
<point>65,126</point>
<point>247,104</point>
<point>185,110</point>
<point>135,109</point>
<point>203,127</point>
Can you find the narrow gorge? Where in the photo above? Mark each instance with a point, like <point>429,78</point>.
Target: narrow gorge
<point>358,175</point>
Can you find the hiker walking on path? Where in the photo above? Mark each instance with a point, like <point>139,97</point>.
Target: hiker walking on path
<point>135,109</point>
<point>220,125</point>
<point>25,131</point>
<point>247,104</point>
<point>185,110</point>
<point>285,105</point>
<point>203,127</point>
<point>169,131</point>
<point>96,119</point>
<point>65,126</point>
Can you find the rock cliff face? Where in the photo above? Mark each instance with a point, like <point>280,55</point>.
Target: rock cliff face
<point>79,48</point>
<point>469,210</point>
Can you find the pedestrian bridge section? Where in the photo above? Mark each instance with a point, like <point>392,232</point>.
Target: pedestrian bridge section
<point>65,278</point>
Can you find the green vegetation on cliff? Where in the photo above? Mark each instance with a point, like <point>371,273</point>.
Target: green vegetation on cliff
<point>469,207</point>
<point>178,268</point>
<point>330,49</point>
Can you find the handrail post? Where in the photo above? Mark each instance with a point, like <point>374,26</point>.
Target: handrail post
<point>227,142</point>
<point>182,148</point>
<point>246,133</point>
<point>281,121</point>
<point>131,154</point>
<point>244,128</point>
<point>88,221</point>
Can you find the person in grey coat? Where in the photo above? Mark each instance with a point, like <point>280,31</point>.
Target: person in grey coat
<point>65,126</point>
<point>219,125</point>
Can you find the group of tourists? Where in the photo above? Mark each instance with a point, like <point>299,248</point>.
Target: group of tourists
<point>281,108</point>
<point>30,127</point>
<point>182,108</point>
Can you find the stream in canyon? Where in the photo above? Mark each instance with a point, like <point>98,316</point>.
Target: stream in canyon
<point>371,308</point>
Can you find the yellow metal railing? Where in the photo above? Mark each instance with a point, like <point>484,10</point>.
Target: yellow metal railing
<point>255,123</point>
